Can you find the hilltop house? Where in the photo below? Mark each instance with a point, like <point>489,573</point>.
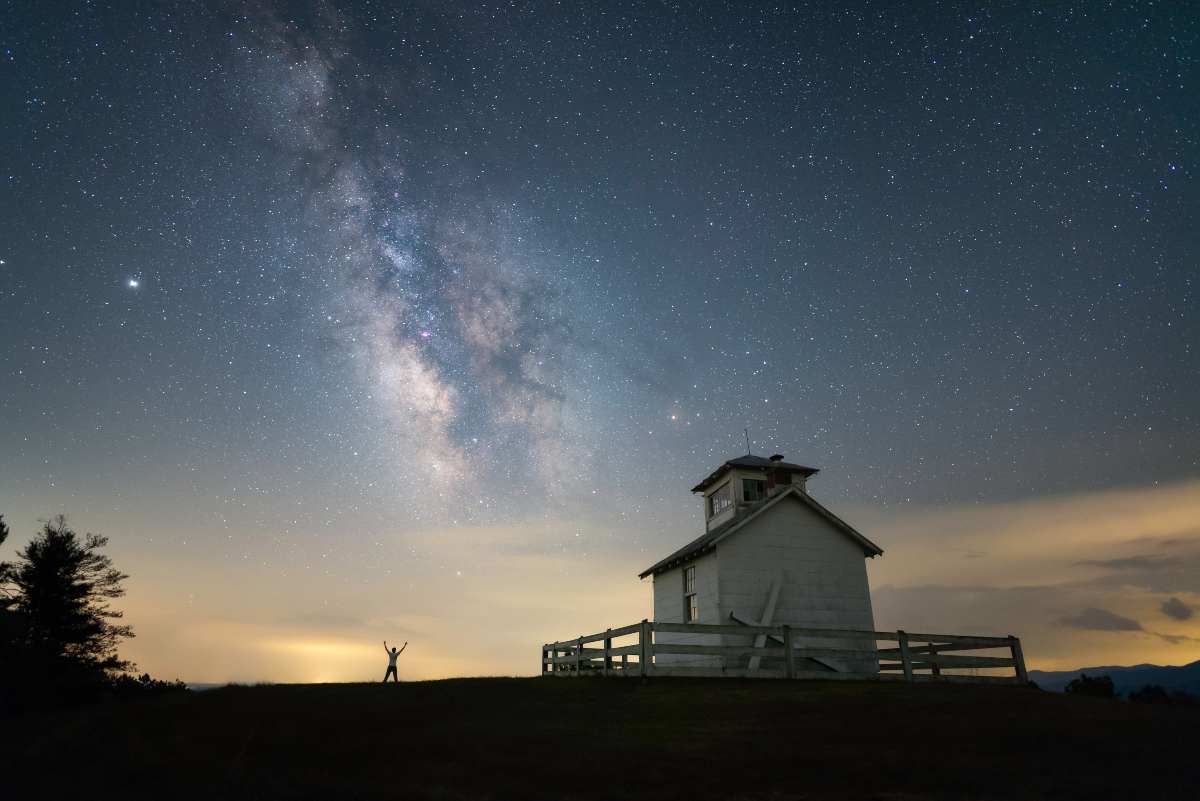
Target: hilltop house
<point>770,555</point>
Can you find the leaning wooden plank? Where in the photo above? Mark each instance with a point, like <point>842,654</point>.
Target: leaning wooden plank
<point>767,619</point>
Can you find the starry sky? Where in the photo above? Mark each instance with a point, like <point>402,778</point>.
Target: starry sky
<point>352,321</point>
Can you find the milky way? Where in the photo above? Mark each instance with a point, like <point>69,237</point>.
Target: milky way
<point>458,331</point>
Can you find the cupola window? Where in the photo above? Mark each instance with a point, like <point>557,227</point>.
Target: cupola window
<point>720,500</point>
<point>753,489</point>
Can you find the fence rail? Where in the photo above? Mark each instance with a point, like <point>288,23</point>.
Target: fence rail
<point>784,652</point>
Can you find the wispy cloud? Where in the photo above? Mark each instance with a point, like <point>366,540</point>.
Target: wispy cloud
<point>1176,609</point>
<point>1134,562</point>
<point>1094,619</point>
<point>1123,553</point>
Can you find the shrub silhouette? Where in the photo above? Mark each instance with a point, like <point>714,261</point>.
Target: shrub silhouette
<point>1157,694</point>
<point>1095,686</point>
<point>1150,694</point>
<point>127,686</point>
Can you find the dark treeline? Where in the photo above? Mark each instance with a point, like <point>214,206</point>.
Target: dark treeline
<point>1103,687</point>
<point>59,633</point>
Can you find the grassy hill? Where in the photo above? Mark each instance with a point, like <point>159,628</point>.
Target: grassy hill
<point>609,739</point>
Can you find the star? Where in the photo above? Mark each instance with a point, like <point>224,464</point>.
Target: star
<point>133,283</point>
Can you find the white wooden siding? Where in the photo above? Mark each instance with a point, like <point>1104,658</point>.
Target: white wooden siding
<point>669,608</point>
<point>823,574</point>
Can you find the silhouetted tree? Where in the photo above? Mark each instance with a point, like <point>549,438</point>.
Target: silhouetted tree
<point>1150,694</point>
<point>1097,686</point>
<point>60,587</point>
<point>5,567</point>
<point>1157,694</point>
<point>10,622</point>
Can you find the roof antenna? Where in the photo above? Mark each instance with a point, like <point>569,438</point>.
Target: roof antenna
<point>747,432</point>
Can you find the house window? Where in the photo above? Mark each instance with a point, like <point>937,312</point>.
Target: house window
<point>720,500</point>
<point>691,606</point>
<point>753,489</point>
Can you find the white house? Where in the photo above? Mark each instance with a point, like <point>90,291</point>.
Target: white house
<point>772,555</point>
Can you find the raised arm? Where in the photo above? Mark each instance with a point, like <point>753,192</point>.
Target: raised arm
<point>385,646</point>
<point>402,648</point>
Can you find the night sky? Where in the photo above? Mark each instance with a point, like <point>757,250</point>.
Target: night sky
<point>361,320</point>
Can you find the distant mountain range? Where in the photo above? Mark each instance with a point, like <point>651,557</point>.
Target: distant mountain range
<point>1126,679</point>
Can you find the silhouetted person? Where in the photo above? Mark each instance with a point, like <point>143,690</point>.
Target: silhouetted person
<point>392,654</point>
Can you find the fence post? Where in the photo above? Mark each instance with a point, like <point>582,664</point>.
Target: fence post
<point>789,656</point>
<point>644,649</point>
<point>933,659</point>
<point>1014,645</point>
<point>543,660</point>
<point>905,657</point>
<point>607,651</point>
<point>579,656</point>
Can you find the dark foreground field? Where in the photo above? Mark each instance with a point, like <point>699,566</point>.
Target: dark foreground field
<point>610,739</point>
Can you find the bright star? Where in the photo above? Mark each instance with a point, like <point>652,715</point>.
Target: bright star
<point>134,283</point>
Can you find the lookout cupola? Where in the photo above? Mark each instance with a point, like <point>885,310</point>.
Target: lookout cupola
<point>744,481</point>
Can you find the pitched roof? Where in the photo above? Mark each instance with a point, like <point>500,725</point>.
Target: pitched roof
<point>709,539</point>
<point>758,462</point>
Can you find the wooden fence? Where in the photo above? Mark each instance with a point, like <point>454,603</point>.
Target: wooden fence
<point>785,652</point>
